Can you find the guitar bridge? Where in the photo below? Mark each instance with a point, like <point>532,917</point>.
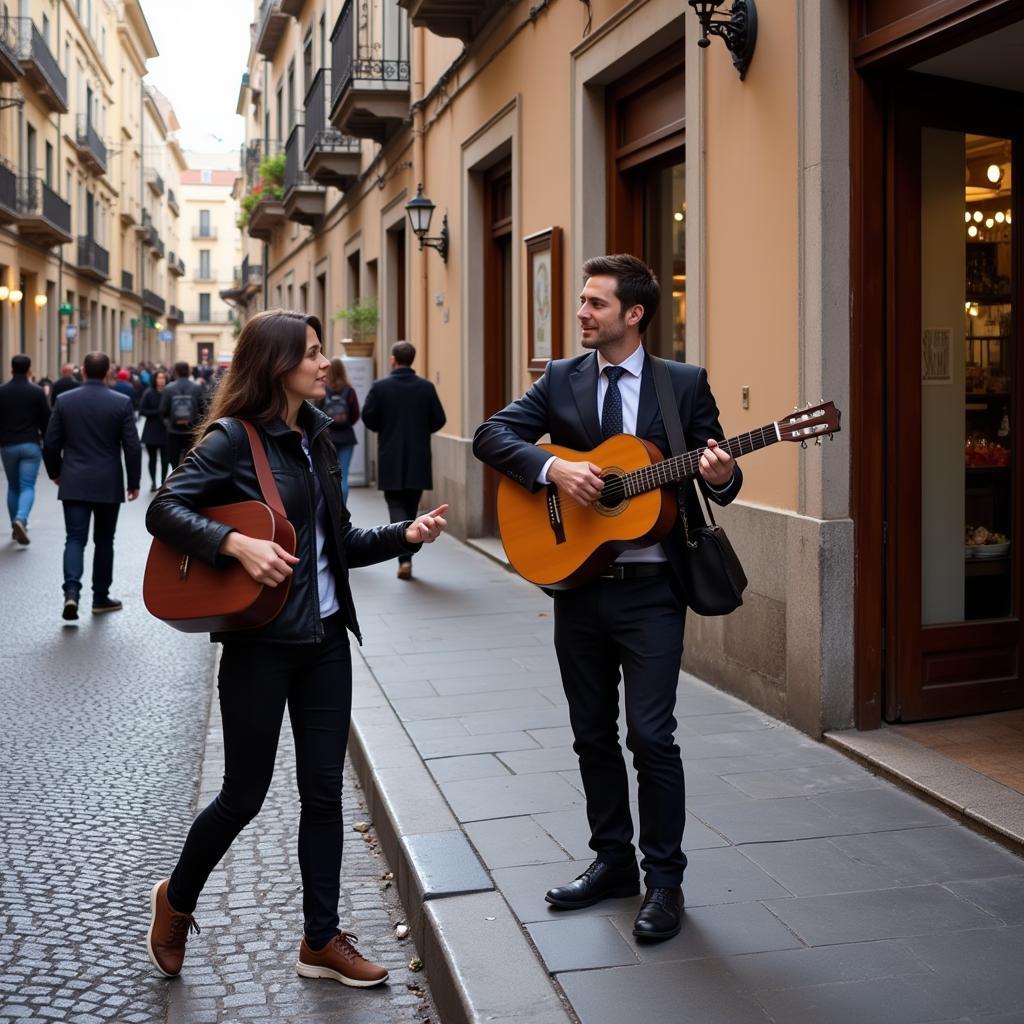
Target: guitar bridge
<point>555,514</point>
<point>183,568</point>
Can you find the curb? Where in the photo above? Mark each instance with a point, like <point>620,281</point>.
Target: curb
<point>480,965</point>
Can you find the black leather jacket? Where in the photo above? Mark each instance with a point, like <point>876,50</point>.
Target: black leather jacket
<point>220,470</point>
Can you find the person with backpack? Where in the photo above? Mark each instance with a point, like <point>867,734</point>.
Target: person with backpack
<point>341,403</point>
<point>180,409</point>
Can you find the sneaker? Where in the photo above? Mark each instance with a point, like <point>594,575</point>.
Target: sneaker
<point>405,571</point>
<point>339,960</point>
<point>19,533</point>
<point>168,932</point>
<point>70,612</point>
<point>105,604</point>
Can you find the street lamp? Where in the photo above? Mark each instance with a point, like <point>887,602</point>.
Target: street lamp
<point>737,28</point>
<point>420,211</point>
<point>40,300</point>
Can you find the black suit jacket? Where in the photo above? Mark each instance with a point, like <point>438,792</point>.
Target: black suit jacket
<point>23,411</point>
<point>563,403</point>
<point>88,430</point>
<point>404,410</point>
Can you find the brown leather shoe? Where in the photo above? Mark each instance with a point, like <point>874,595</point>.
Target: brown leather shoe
<point>168,931</point>
<point>339,960</point>
<point>405,571</point>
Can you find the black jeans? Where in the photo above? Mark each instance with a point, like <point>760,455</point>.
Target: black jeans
<point>256,681</point>
<point>403,505</point>
<point>178,446</point>
<point>154,450</point>
<point>76,522</point>
<point>636,624</point>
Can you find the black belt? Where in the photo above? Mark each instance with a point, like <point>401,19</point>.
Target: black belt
<point>633,570</point>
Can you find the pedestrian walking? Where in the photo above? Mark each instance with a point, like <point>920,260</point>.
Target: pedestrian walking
<point>341,404</point>
<point>66,382</point>
<point>154,433</point>
<point>404,410</point>
<point>181,410</point>
<point>89,430</point>
<point>301,659</point>
<point>123,385</point>
<point>24,414</point>
<point>631,618</point>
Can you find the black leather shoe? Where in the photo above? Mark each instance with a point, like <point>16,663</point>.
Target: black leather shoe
<point>106,604</point>
<point>599,882</point>
<point>660,917</point>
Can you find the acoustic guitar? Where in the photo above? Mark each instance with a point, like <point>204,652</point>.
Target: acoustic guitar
<point>555,543</point>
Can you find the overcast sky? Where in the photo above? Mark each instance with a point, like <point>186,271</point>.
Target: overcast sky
<point>203,48</point>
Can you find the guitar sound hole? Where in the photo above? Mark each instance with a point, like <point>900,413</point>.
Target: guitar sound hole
<point>613,498</point>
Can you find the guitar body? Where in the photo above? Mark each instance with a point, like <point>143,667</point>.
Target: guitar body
<point>555,543</point>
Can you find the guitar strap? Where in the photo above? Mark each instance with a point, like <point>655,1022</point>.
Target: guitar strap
<point>674,429</point>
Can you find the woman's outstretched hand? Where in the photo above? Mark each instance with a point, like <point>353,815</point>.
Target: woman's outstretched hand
<point>266,562</point>
<point>428,527</point>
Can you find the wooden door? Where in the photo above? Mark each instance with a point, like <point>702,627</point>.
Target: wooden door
<point>953,449</point>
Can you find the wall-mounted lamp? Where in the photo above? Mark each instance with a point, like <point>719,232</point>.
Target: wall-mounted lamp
<point>15,295</point>
<point>737,28</point>
<point>40,300</point>
<point>4,292</point>
<point>421,210</point>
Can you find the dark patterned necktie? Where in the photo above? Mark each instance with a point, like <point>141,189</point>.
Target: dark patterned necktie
<point>611,410</point>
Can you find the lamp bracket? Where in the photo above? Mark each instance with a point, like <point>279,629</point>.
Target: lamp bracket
<point>737,28</point>
<point>440,243</point>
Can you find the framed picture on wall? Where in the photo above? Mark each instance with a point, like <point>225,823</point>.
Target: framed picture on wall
<point>544,297</point>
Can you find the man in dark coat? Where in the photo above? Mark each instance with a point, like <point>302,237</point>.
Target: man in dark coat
<point>23,418</point>
<point>67,382</point>
<point>181,407</point>
<point>89,429</point>
<point>632,617</point>
<point>404,410</point>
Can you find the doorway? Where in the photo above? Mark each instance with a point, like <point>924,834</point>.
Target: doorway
<point>953,452</point>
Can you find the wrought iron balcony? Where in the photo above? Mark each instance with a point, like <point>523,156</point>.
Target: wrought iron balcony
<point>154,181</point>
<point>90,145</point>
<point>174,315</point>
<point>172,202</point>
<point>304,200</point>
<point>8,194</point>
<point>330,157</point>
<point>252,277</point>
<point>199,233</point>
<point>158,246</point>
<point>153,302</point>
<point>43,216</point>
<point>175,265</point>
<point>127,282</point>
<point>180,269</point>
<point>40,66</point>
<point>10,66</point>
<point>370,68</point>
<point>149,235</point>
<point>270,28</point>
<point>266,215</point>
<point>129,211</point>
<point>93,259</point>
<point>205,273</point>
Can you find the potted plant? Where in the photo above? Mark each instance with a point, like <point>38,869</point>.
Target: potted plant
<point>362,318</point>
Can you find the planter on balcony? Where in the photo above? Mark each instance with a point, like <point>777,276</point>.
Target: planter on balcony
<point>40,66</point>
<point>43,217</point>
<point>304,200</point>
<point>266,214</point>
<point>370,69</point>
<point>329,157</point>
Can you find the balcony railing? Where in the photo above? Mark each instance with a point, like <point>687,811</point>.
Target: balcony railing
<point>159,247</point>
<point>40,66</point>
<point>199,233</point>
<point>10,66</point>
<point>90,145</point>
<point>304,200</point>
<point>149,235</point>
<point>370,68</point>
<point>174,315</point>
<point>172,202</point>
<point>330,156</point>
<point>42,214</point>
<point>211,316</point>
<point>93,258</point>
<point>175,265</point>
<point>154,181</point>
<point>205,274</point>
<point>153,302</point>
<point>270,27</point>
<point>8,194</point>
<point>127,281</point>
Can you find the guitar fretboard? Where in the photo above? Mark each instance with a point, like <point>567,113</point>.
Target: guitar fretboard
<point>679,467</point>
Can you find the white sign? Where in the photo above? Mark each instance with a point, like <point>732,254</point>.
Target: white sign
<point>71,332</point>
<point>936,345</point>
<point>360,377</point>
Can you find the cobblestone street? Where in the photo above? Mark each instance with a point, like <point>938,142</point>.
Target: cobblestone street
<point>101,758</point>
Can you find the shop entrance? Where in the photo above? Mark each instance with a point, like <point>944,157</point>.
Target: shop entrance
<point>952,491</point>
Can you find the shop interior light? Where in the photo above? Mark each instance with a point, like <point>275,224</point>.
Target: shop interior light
<point>994,173</point>
<point>678,216</point>
<point>967,216</point>
<point>1000,216</point>
<point>978,216</point>
<point>974,309</point>
<point>972,231</point>
<point>40,300</point>
<point>989,222</point>
<point>1009,219</point>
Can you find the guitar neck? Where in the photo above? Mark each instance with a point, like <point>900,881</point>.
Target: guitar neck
<point>681,467</point>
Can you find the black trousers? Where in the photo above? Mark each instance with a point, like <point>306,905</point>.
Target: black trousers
<point>178,446</point>
<point>256,681</point>
<point>636,625</point>
<point>403,505</point>
<point>154,450</point>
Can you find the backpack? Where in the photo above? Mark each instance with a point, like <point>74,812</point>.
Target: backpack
<point>336,406</point>
<point>183,411</point>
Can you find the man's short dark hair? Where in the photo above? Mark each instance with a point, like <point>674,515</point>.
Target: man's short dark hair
<point>404,352</point>
<point>635,285</point>
<point>20,364</point>
<point>181,369</point>
<point>96,365</point>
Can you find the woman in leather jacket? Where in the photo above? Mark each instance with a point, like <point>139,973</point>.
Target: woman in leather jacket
<point>301,659</point>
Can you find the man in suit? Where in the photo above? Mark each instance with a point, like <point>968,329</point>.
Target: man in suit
<point>181,407</point>
<point>89,429</point>
<point>24,414</point>
<point>633,616</point>
<point>405,410</point>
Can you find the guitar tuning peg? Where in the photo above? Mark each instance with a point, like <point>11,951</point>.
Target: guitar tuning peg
<point>817,442</point>
<point>803,444</point>
<point>796,408</point>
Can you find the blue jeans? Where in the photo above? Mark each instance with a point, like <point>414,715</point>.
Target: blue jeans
<point>76,520</point>
<point>344,461</point>
<point>21,464</point>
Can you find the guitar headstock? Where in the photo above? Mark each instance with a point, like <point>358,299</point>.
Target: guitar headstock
<point>813,422</point>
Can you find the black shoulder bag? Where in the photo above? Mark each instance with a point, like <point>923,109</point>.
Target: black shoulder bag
<point>712,574</point>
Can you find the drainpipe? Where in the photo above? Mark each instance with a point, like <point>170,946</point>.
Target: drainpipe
<point>142,208</point>
<point>419,119</point>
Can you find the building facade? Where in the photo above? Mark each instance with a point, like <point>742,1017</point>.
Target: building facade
<point>801,220</point>
<point>88,176</point>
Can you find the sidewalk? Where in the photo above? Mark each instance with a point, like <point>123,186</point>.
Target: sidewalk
<point>816,891</point>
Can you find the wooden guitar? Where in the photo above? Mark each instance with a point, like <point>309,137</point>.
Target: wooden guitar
<point>558,544</point>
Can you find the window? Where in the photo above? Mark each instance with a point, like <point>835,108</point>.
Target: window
<point>204,307</point>
<point>49,164</point>
<point>206,176</point>
<point>323,41</point>
<point>30,150</point>
<point>280,115</point>
<point>204,264</point>
<point>46,30</point>
<point>307,62</point>
<point>291,96</point>
<point>204,223</point>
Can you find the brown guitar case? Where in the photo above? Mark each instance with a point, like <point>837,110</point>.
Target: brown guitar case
<point>195,597</point>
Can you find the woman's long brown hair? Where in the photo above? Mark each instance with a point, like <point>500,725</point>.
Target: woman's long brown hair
<point>337,377</point>
<point>270,346</point>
